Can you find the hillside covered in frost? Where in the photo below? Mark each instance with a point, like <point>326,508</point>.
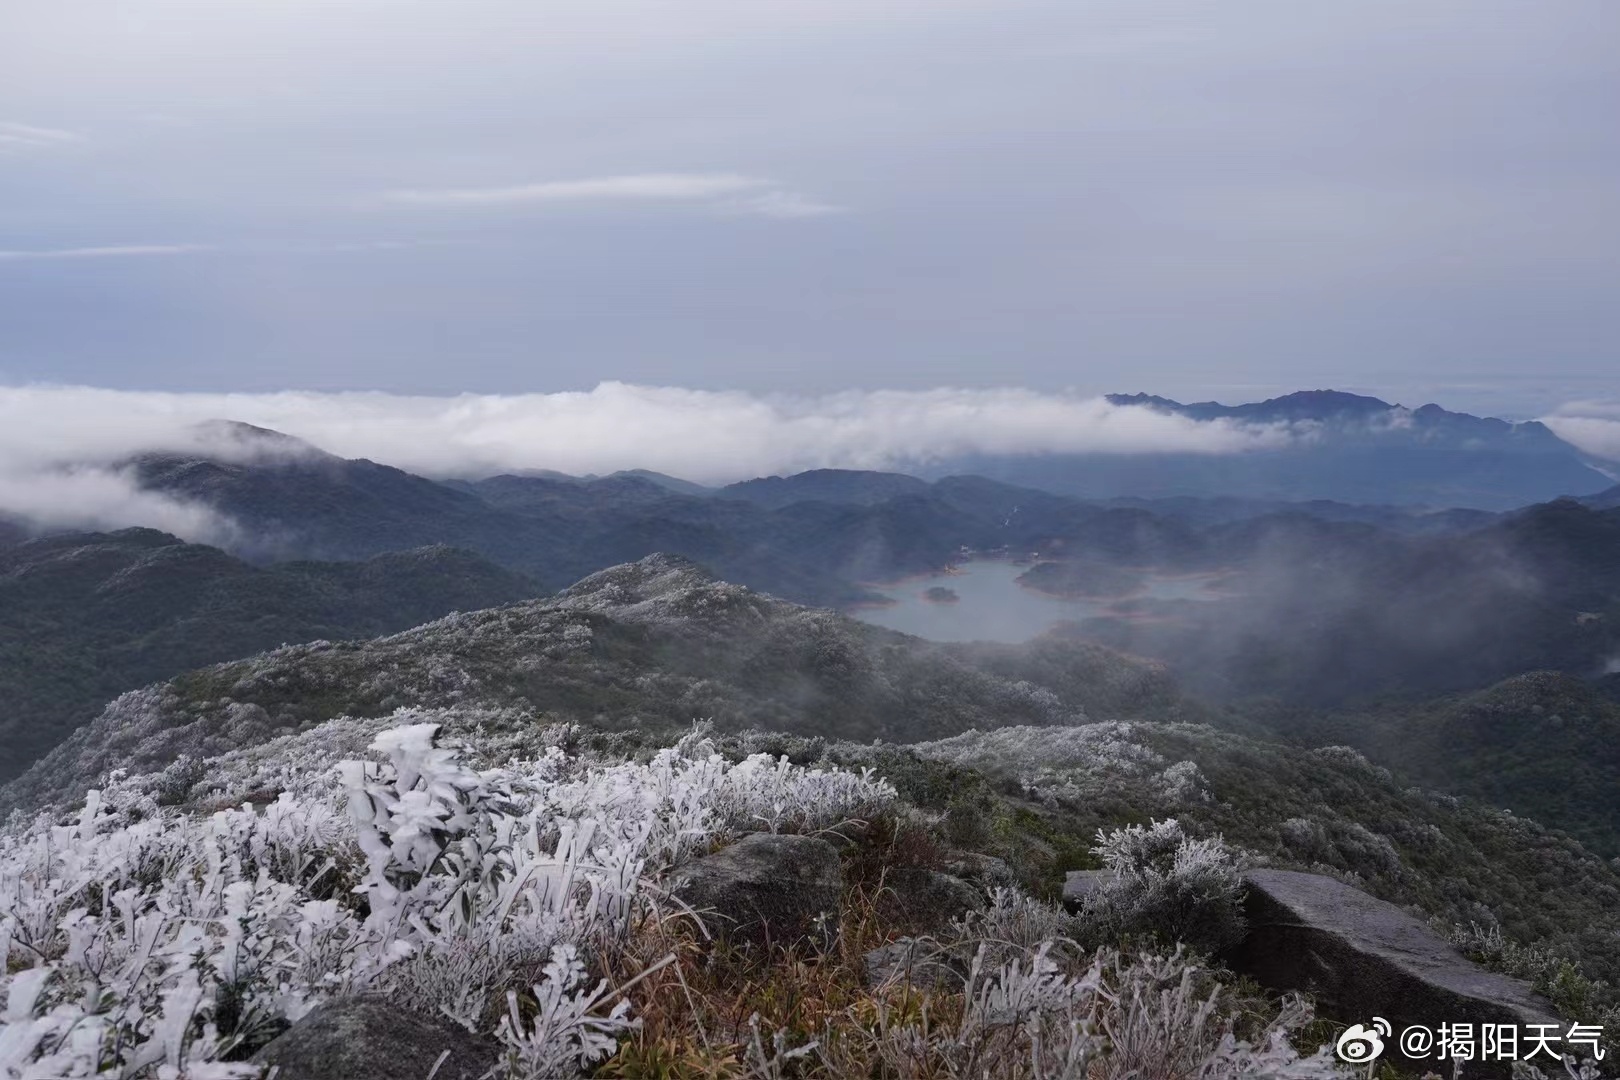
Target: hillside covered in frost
<point>658,642</point>
<point>526,903</point>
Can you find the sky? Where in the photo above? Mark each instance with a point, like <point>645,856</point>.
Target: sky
<point>1418,199</point>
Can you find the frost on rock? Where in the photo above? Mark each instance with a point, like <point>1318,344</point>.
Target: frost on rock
<point>141,941</point>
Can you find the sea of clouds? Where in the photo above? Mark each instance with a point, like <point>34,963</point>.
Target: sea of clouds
<point>64,450</point>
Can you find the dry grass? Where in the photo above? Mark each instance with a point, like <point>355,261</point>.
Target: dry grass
<point>701,1014</point>
<point>714,1012</point>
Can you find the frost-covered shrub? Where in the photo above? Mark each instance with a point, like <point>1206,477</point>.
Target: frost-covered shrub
<point>1163,883</point>
<point>1012,922</point>
<point>1025,751</point>
<point>1351,760</point>
<point>1182,783</point>
<point>1572,992</point>
<point>1166,1020</point>
<point>1044,1012</point>
<point>141,941</point>
<point>566,1035</point>
<point>1343,846</point>
<point>1305,839</point>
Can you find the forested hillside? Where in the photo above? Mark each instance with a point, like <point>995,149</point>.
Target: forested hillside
<point>85,617</point>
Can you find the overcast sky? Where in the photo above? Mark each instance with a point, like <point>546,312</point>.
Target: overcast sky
<point>1415,198</point>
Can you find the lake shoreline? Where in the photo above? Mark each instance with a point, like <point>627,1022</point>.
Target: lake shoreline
<point>983,599</point>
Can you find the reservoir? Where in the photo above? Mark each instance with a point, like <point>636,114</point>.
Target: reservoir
<point>991,605</point>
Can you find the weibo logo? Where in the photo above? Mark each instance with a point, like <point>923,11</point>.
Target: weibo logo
<point>1360,1044</point>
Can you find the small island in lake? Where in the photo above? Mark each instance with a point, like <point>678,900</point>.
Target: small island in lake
<point>939,594</point>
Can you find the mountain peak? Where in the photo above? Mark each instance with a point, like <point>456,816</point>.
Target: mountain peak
<point>856,486</point>
<point>1325,403</point>
<point>234,439</point>
<point>1151,401</point>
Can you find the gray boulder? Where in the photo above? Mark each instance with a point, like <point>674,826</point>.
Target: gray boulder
<point>926,900</point>
<point>370,1037</point>
<point>766,890</point>
<point>1361,957</point>
<point>923,964</point>
<point>982,869</point>
<point>1080,885</point>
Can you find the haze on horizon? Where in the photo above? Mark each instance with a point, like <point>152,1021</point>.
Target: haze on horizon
<point>1204,201</point>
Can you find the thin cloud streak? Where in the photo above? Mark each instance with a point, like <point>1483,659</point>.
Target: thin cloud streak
<point>110,252</point>
<point>733,193</point>
<point>15,134</point>
<point>787,204</point>
<point>643,186</point>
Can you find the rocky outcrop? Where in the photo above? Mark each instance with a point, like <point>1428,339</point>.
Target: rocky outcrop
<point>369,1036</point>
<point>766,890</point>
<point>1361,957</point>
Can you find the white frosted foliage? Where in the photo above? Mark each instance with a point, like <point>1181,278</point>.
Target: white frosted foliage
<point>144,941</point>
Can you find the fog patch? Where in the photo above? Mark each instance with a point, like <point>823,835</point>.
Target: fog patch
<point>97,498</point>
<point>66,455</point>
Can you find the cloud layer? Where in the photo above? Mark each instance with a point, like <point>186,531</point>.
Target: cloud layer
<point>61,447</point>
<point>1593,426</point>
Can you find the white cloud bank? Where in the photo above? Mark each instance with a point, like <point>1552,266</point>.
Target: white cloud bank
<point>1591,426</point>
<point>61,448</point>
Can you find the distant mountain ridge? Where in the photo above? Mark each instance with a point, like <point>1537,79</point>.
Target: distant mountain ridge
<point>1343,447</point>
<point>1300,405</point>
<point>1604,500</point>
